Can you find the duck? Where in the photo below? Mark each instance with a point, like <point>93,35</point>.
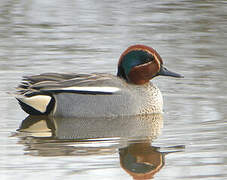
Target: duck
<point>130,92</point>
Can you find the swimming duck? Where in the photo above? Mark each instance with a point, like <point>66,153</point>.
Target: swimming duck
<point>98,94</point>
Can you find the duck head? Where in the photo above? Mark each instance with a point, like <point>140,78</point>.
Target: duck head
<point>139,64</point>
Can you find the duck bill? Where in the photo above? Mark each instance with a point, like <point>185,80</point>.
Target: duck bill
<point>165,72</point>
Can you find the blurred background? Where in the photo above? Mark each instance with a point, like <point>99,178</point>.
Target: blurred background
<point>89,36</point>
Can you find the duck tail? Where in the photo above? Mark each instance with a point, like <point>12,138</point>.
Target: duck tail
<point>36,104</point>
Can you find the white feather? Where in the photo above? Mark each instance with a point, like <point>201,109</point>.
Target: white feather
<point>104,89</point>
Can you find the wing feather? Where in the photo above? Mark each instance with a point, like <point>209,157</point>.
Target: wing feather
<point>77,83</point>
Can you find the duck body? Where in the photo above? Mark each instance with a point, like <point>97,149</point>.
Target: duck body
<point>98,94</point>
<point>127,100</point>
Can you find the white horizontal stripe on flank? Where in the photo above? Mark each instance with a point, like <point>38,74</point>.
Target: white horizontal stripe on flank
<point>38,102</point>
<point>93,89</point>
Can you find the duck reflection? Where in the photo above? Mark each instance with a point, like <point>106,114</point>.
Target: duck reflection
<point>130,128</point>
<point>131,137</point>
<point>141,160</point>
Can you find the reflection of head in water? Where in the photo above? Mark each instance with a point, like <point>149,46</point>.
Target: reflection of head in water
<point>141,160</point>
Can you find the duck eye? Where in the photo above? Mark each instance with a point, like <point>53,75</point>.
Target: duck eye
<point>150,57</point>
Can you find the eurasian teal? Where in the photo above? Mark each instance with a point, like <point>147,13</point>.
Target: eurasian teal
<point>98,94</point>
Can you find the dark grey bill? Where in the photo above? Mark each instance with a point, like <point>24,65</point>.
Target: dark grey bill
<point>165,72</point>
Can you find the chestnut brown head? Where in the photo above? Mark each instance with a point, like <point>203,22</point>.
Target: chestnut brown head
<point>139,64</point>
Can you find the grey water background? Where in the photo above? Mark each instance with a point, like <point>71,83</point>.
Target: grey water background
<point>89,36</point>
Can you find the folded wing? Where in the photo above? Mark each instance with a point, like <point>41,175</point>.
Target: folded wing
<point>35,93</point>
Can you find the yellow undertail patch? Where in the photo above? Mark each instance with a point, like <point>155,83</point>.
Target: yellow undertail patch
<point>38,102</point>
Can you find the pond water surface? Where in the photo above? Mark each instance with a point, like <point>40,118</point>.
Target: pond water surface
<point>187,142</point>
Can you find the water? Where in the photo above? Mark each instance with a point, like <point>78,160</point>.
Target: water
<point>187,142</point>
